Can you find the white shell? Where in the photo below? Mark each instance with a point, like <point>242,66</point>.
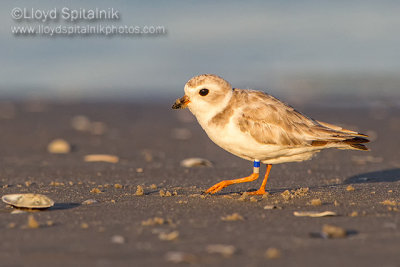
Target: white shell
<point>195,162</point>
<point>32,201</point>
<point>314,213</point>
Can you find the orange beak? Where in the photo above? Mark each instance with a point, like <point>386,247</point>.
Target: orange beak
<point>181,103</point>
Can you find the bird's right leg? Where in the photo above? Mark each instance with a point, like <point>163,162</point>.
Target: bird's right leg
<point>219,186</point>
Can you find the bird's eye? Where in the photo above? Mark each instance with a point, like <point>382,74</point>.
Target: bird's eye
<point>204,92</point>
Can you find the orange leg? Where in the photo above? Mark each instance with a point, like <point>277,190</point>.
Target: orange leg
<point>219,186</point>
<point>261,191</point>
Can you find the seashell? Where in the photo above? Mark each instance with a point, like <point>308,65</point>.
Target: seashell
<point>59,146</point>
<point>195,162</point>
<point>31,201</point>
<point>101,158</point>
<point>314,213</point>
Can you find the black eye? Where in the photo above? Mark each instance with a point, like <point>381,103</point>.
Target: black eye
<point>204,92</point>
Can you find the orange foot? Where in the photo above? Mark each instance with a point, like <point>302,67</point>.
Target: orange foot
<point>218,187</point>
<point>258,192</point>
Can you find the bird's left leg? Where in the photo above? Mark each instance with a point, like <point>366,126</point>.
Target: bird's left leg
<point>261,191</point>
<point>219,186</point>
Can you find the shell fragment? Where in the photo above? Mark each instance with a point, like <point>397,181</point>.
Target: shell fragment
<point>195,162</point>
<point>101,158</point>
<point>314,213</point>
<point>30,201</point>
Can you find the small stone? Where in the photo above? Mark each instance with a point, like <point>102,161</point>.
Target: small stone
<point>354,214</point>
<point>165,193</point>
<point>350,188</point>
<point>117,239</point>
<point>180,257</point>
<point>272,253</point>
<point>118,186</point>
<point>265,196</point>
<point>139,191</point>
<point>169,236</point>
<point>286,195</point>
<point>84,225</point>
<point>301,192</point>
<point>59,146</point>
<point>89,202</point>
<point>253,199</point>
<point>195,162</point>
<point>95,190</point>
<point>139,170</point>
<point>153,221</point>
<point>270,207</point>
<point>233,217</point>
<point>32,223</point>
<point>332,231</point>
<point>316,202</point>
<point>153,186</point>
<point>53,183</point>
<point>244,196</point>
<point>49,223</point>
<point>388,202</point>
<point>101,158</point>
<point>80,123</point>
<point>224,250</point>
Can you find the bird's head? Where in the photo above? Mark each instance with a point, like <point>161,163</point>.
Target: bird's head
<point>204,94</point>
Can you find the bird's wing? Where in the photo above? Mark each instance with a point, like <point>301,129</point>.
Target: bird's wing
<point>270,121</point>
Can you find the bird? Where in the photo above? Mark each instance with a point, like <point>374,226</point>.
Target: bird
<point>258,127</point>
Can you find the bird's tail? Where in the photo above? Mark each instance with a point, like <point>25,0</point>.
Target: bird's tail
<point>342,138</point>
<point>357,143</point>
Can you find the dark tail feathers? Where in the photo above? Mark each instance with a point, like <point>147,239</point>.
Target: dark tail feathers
<point>357,143</point>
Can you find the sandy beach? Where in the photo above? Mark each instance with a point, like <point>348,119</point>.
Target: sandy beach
<point>172,222</point>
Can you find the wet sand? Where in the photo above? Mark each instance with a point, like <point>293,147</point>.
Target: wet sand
<point>116,230</point>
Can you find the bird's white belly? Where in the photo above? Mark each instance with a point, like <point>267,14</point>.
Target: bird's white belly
<point>245,146</point>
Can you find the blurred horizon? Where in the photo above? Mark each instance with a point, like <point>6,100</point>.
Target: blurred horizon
<point>302,51</point>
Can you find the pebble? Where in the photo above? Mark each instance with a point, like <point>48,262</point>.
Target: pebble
<point>179,257</point>
<point>195,162</point>
<point>139,191</point>
<point>89,202</point>
<point>273,253</point>
<point>332,231</point>
<point>224,250</point>
<point>169,236</point>
<point>101,158</point>
<point>233,217</point>
<point>350,188</point>
<point>117,239</point>
<point>59,146</point>
<point>316,202</point>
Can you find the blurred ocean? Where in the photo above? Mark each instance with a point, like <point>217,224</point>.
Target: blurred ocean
<point>302,51</point>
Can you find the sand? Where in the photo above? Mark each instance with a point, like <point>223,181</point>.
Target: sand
<point>144,140</point>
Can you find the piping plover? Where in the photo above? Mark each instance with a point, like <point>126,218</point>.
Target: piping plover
<point>258,127</point>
